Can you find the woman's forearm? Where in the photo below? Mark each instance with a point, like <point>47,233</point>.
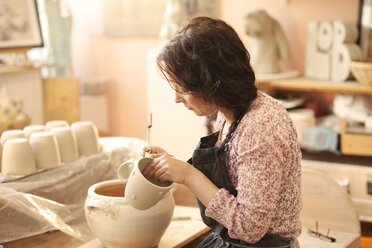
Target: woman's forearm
<point>200,185</point>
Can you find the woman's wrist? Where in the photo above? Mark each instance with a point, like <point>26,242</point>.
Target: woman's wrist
<point>189,171</point>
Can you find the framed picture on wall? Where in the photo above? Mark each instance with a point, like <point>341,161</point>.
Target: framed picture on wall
<point>19,24</point>
<point>145,18</point>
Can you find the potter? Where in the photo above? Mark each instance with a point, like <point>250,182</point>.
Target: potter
<point>245,176</point>
<point>142,193</point>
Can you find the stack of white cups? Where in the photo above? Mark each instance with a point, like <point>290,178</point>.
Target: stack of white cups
<point>39,147</point>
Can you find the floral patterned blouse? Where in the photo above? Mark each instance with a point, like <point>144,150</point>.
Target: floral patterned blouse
<point>264,167</point>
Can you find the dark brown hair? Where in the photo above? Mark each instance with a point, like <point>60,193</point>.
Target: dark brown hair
<point>208,59</point>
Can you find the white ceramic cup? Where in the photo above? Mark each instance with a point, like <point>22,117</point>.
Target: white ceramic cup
<point>140,192</point>
<point>46,151</point>
<point>67,143</point>
<point>28,130</point>
<point>18,157</point>
<point>58,123</point>
<point>86,136</point>
<point>11,134</point>
<point>7,135</point>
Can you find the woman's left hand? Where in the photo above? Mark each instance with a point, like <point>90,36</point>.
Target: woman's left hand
<point>165,167</point>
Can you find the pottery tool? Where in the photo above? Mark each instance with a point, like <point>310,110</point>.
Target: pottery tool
<point>176,218</point>
<point>148,133</point>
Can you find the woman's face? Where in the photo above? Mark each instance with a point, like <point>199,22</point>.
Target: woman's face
<point>191,102</point>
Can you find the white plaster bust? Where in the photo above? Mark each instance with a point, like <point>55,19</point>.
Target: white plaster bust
<point>174,17</point>
<point>268,43</point>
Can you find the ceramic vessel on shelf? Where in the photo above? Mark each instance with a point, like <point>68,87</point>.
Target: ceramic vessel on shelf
<point>119,225</point>
<point>362,71</point>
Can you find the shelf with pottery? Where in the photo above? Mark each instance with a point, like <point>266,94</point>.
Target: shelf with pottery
<point>19,62</point>
<point>356,142</point>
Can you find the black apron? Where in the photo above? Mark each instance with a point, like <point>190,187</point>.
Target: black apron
<point>204,158</point>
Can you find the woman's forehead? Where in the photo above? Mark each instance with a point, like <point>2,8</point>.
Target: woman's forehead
<point>175,85</point>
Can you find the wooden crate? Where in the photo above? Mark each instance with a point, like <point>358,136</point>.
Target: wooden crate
<point>356,144</point>
<point>61,99</point>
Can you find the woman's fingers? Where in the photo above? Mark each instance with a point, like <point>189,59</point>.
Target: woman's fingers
<point>159,171</point>
<point>152,150</point>
<point>143,151</point>
<point>149,168</point>
<point>164,178</point>
<point>155,155</point>
<point>161,168</point>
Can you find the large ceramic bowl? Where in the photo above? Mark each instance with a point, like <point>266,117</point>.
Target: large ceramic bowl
<point>119,225</point>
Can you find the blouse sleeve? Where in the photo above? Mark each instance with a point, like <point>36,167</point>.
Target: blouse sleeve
<point>248,216</point>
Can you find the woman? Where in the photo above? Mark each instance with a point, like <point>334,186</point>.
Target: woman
<point>247,176</point>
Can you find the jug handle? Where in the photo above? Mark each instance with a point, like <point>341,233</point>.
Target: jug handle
<point>123,172</point>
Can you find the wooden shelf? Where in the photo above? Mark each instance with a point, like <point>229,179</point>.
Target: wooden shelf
<point>6,69</point>
<point>355,144</point>
<point>314,85</point>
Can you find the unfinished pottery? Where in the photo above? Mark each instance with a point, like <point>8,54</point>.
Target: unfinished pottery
<point>11,134</point>
<point>46,151</point>
<point>119,225</point>
<point>56,123</point>
<point>67,144</point>
<point>86,134</point>
<point>142,193</point>
<point>28,130</point>
<point>18,158</point>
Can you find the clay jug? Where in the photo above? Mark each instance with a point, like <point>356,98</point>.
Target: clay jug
<point>142,193</point>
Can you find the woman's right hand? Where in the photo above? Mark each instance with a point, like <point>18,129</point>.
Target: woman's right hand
<point>153,150</point>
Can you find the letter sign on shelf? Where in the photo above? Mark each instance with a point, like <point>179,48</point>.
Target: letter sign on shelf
<point>330,48</point>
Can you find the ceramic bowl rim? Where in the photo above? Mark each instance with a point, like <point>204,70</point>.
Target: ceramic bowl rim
<point>92,188</point>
